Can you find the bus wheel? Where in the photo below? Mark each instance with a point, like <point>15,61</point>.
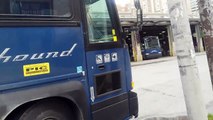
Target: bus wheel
<point>49,110</point>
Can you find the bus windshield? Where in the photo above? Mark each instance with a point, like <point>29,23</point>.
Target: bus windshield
<point>99,22</point>
<point>151,42</point>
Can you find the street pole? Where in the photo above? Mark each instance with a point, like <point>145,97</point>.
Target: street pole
<point>206,16</point>
<point>186,60</point>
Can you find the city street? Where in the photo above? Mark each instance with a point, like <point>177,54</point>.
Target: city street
<point>159,87</point>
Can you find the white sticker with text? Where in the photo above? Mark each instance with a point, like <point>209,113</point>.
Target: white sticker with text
<point>114,57</point>
<point>107,58</point>
<point>99,59</point>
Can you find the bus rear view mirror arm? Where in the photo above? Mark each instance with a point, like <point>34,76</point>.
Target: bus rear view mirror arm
<point>139,14</point>
<point>139,19</point>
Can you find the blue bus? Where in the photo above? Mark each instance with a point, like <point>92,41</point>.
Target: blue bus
<point>64,60</point>
<point>151,47</point>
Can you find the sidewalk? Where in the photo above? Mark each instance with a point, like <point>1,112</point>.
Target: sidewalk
<point>163,59</point>
<point>168,89</point>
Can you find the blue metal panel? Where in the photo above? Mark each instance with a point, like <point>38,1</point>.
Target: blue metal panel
<point>109,66</point>
<point>128,70</point>
<point>37,40</point>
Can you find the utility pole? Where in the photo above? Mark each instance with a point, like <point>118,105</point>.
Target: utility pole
<point>186,60</point>
<point>206,16</point>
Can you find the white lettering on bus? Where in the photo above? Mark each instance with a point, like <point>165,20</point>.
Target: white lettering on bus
<point>36,56</point>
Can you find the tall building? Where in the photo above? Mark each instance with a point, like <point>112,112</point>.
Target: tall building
<point>154,8</point>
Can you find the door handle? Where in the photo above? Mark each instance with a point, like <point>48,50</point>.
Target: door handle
<point>101,67</point>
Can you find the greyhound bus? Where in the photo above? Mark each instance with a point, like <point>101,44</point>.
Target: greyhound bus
<point>64,60</point>
<point>151,47</point>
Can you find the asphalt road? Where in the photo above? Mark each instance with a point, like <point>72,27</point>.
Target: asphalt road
<point>159,88</point>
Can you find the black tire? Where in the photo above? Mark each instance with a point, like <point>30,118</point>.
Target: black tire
<point>49,110</point>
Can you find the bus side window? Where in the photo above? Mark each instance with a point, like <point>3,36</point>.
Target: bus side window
<point>42,8</point>
<point>4,6</point>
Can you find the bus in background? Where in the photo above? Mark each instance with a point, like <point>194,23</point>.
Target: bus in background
<point>64,60</point>
<point>151,47</point>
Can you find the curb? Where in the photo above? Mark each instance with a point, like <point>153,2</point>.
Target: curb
<point>164,59</point>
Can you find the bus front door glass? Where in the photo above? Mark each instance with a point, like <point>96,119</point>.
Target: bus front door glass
<point>99,22</point>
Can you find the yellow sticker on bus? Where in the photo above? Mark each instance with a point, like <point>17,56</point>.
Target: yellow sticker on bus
<point>113,32</point>
<point>115,39</point>
<point>36,69</point>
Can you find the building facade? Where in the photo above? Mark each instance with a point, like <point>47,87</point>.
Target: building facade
<point>194,8</point>
<point>157,23</point>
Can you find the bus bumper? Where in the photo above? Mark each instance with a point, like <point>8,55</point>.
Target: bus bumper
<point>151,56</point>
<point>117,108</point>
<point>133,104</point>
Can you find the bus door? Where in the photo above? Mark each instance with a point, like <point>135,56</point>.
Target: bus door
<point>105,57</point>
